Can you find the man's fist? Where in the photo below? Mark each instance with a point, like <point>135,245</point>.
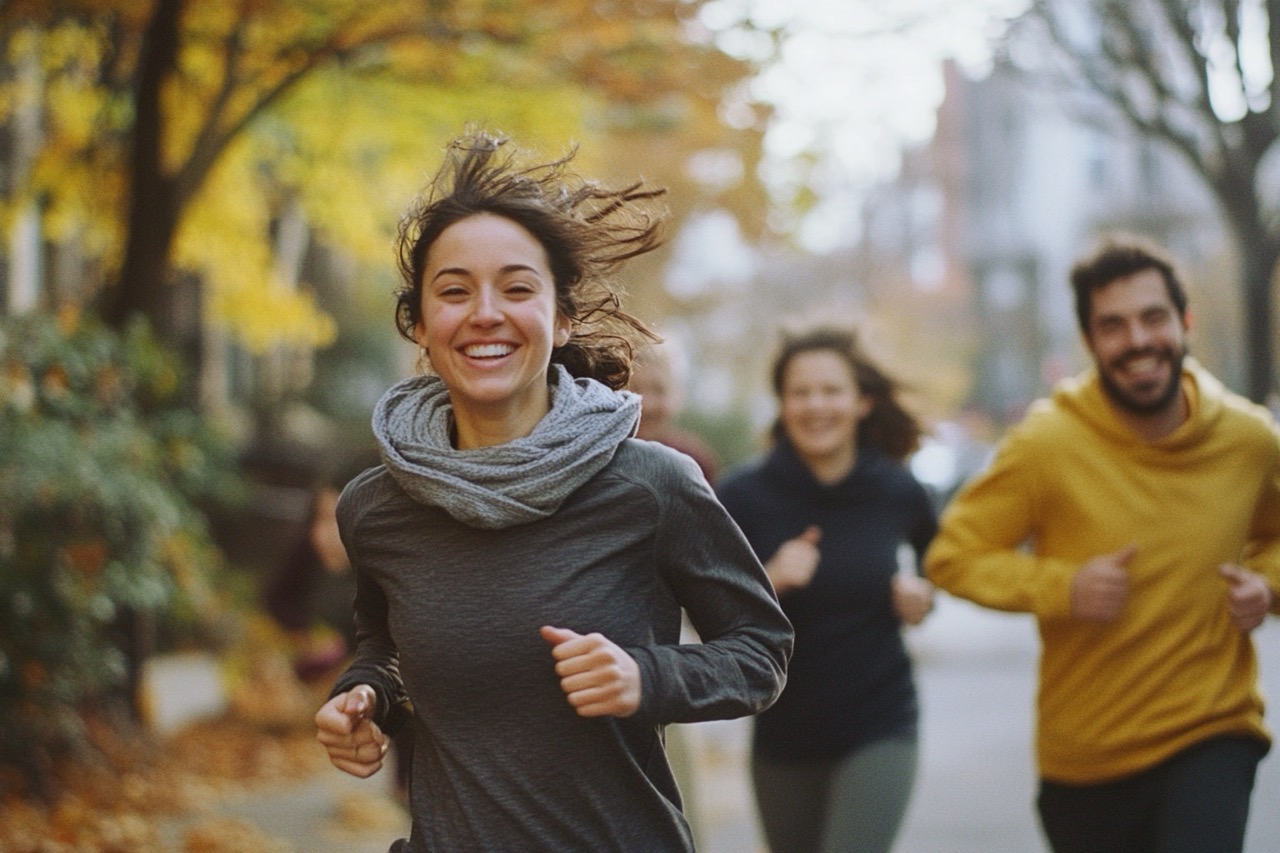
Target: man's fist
<point>1101,587</point>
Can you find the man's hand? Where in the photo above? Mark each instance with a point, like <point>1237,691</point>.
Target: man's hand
<point>354,742</point>
<point>1101,586</point>
<point>793,564</point>
<point>1249,596</point>
<point>597,676</point>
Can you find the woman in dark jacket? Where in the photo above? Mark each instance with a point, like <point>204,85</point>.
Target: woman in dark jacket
<point>829,509</point>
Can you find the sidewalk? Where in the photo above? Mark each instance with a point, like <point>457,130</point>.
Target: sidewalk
<point>329,812</point>
<point>976,672</point>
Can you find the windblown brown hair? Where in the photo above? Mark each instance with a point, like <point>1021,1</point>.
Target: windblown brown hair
<point>889,426</point>
<point>587,230</point>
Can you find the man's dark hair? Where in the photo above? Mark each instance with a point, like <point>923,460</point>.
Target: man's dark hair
<point>1120,256</point>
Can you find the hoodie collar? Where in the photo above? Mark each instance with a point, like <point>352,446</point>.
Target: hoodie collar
<point>1085,397</point>
<point>785,465</point>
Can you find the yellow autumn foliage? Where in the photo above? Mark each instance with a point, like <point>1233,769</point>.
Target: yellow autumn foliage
<point>221,237</point>
<point>264,315</point>
<point>339,108</point>
<point>380,141</point>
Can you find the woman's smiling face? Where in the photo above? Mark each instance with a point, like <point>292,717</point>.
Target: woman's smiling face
<point>821,407</point>
<point>489,323</point>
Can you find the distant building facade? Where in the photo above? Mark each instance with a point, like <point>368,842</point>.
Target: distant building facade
<point>1021,185</point>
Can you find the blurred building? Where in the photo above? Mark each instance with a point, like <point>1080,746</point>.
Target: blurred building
<point>1014,185</point>
<point>728,300</point>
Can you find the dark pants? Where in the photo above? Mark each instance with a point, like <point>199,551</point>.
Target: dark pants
<point>853,804</point>
<point>1195,802</point>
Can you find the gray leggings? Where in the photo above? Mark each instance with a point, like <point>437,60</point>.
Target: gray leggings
<point>851,805</point>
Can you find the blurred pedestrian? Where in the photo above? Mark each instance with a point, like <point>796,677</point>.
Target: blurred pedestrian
<point>656,376</point>
<point>1136,514</point>
<point>309,594</point>
<point>830,508</point>
<point>521,562</point>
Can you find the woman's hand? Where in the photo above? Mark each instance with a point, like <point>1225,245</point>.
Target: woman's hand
<point>354,742</point>
<point>912,598</point>
<point>597,676</point>
<point>793,564</point>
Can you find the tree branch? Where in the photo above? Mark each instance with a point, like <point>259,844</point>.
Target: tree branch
<point>1123,48</point>
<point>220,130</point>
<point>1178,20</point>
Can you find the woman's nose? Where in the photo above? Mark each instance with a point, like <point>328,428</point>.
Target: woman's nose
<point>486,309</point>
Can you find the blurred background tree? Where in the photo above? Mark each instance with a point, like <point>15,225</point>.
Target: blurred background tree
<point>185,160</point>
<point>1199,78</point>
<point>105,472</point>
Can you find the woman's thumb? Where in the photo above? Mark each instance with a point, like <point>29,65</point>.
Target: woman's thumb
<point>555,636</point>
<point>358,703</point>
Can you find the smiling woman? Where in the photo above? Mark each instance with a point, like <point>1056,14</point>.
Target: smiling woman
<point>521,560</point>
<point>829,508</point>
<point>489,323</point>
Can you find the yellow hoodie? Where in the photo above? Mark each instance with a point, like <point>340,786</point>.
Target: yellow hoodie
<point>1072,482</point>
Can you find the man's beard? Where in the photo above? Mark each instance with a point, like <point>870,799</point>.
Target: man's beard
<point>1144,405</point>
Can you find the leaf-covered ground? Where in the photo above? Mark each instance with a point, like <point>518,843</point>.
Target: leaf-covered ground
<point>133,794</point>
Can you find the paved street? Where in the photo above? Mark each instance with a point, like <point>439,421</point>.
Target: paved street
<point>332,813</point>
<point>976,672</point>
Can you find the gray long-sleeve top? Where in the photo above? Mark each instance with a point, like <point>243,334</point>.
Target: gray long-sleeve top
<point>448,617</point>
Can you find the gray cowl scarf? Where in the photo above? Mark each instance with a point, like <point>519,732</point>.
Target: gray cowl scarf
<point>508,484</point>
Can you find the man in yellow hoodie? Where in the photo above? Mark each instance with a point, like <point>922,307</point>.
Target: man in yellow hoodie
<point>1136,513</point>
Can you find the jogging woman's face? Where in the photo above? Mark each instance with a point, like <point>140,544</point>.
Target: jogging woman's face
<point>821,406</point>
<point>490,319</point>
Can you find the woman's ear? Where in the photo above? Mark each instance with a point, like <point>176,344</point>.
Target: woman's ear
<point>563,331</point>
<point>424,355</point>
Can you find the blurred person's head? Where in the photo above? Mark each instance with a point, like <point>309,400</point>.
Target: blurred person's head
<point>1133,315</point>
<point>322,522</point>
<point>656,378</point>
<point>1118,256</point>
<point>834,399</point>
<point>322,529</point>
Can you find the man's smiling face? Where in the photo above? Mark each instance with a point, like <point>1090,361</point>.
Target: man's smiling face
<point>1138,341</point>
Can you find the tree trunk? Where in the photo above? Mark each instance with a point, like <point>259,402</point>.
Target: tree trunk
<point>153,203</point>
<point>25,232</point>
<point>1259,252</point>
<point>1258,257</point>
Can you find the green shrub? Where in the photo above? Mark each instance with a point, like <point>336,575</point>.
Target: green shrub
<point>104,466</point>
